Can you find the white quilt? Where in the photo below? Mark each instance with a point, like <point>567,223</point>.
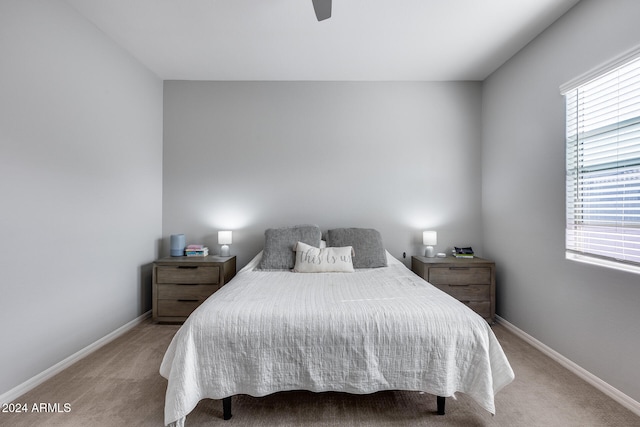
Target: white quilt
<point>375,329</point>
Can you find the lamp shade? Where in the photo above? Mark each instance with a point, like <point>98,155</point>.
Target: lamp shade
<point>225,237</point>
<point>429,238</point>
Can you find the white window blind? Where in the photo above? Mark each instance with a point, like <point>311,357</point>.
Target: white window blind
<point>603,165</point>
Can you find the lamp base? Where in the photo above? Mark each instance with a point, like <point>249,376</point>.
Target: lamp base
<point>224,250</point>
<point>429,252</point>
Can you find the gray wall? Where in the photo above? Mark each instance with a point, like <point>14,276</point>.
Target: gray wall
<point>588,314</point>
<point>80,184</point>
<point>246,156</point>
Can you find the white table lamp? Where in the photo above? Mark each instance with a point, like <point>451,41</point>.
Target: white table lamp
<point>429,239</point>
<point>224,239</point>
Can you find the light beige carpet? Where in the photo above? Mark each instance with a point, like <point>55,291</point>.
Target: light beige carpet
<point>119,385</point>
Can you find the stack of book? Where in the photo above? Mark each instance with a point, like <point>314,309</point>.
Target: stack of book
<point>196,250</point>
<point>462,252</point>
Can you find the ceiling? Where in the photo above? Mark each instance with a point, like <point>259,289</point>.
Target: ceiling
<point>369,40</point>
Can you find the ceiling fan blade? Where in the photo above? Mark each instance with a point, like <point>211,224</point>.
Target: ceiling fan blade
<point>322,8</point>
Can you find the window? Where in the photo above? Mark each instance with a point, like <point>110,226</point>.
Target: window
<point>603,164</point>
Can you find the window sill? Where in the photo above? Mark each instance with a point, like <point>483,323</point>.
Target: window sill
<point>603,263</point>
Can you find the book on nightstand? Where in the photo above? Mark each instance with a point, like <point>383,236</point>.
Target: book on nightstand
<point>196,250</point>
<point>462,252</point>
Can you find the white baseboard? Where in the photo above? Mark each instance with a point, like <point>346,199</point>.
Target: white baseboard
<point>612,392</point>
<point>32,383</point>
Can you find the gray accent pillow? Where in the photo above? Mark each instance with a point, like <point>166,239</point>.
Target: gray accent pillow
<point>366,243</point>
<point>278,251</point>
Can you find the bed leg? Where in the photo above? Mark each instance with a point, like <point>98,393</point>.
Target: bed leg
<point>441,401</point>
<point>226,408</point>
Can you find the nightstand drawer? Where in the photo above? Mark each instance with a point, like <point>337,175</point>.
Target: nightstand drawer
<point>185,292</point>
<point>467,292</point>
<point>179,309</point>
<point>482,308</point>
<point>459,275</point>
<point>187,274</point>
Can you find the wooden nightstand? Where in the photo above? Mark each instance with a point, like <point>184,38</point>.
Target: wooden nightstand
<point>472,281</point>
<point>180,284</point>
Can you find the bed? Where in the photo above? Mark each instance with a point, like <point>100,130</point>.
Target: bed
<point>361,330</point>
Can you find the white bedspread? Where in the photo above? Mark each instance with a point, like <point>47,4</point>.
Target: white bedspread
<point>375,329</point>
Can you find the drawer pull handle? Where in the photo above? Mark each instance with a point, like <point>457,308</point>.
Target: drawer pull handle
<point>192,267</point>
<point>461,284</point>
<point>188,300</point>
<point>459,268</point>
